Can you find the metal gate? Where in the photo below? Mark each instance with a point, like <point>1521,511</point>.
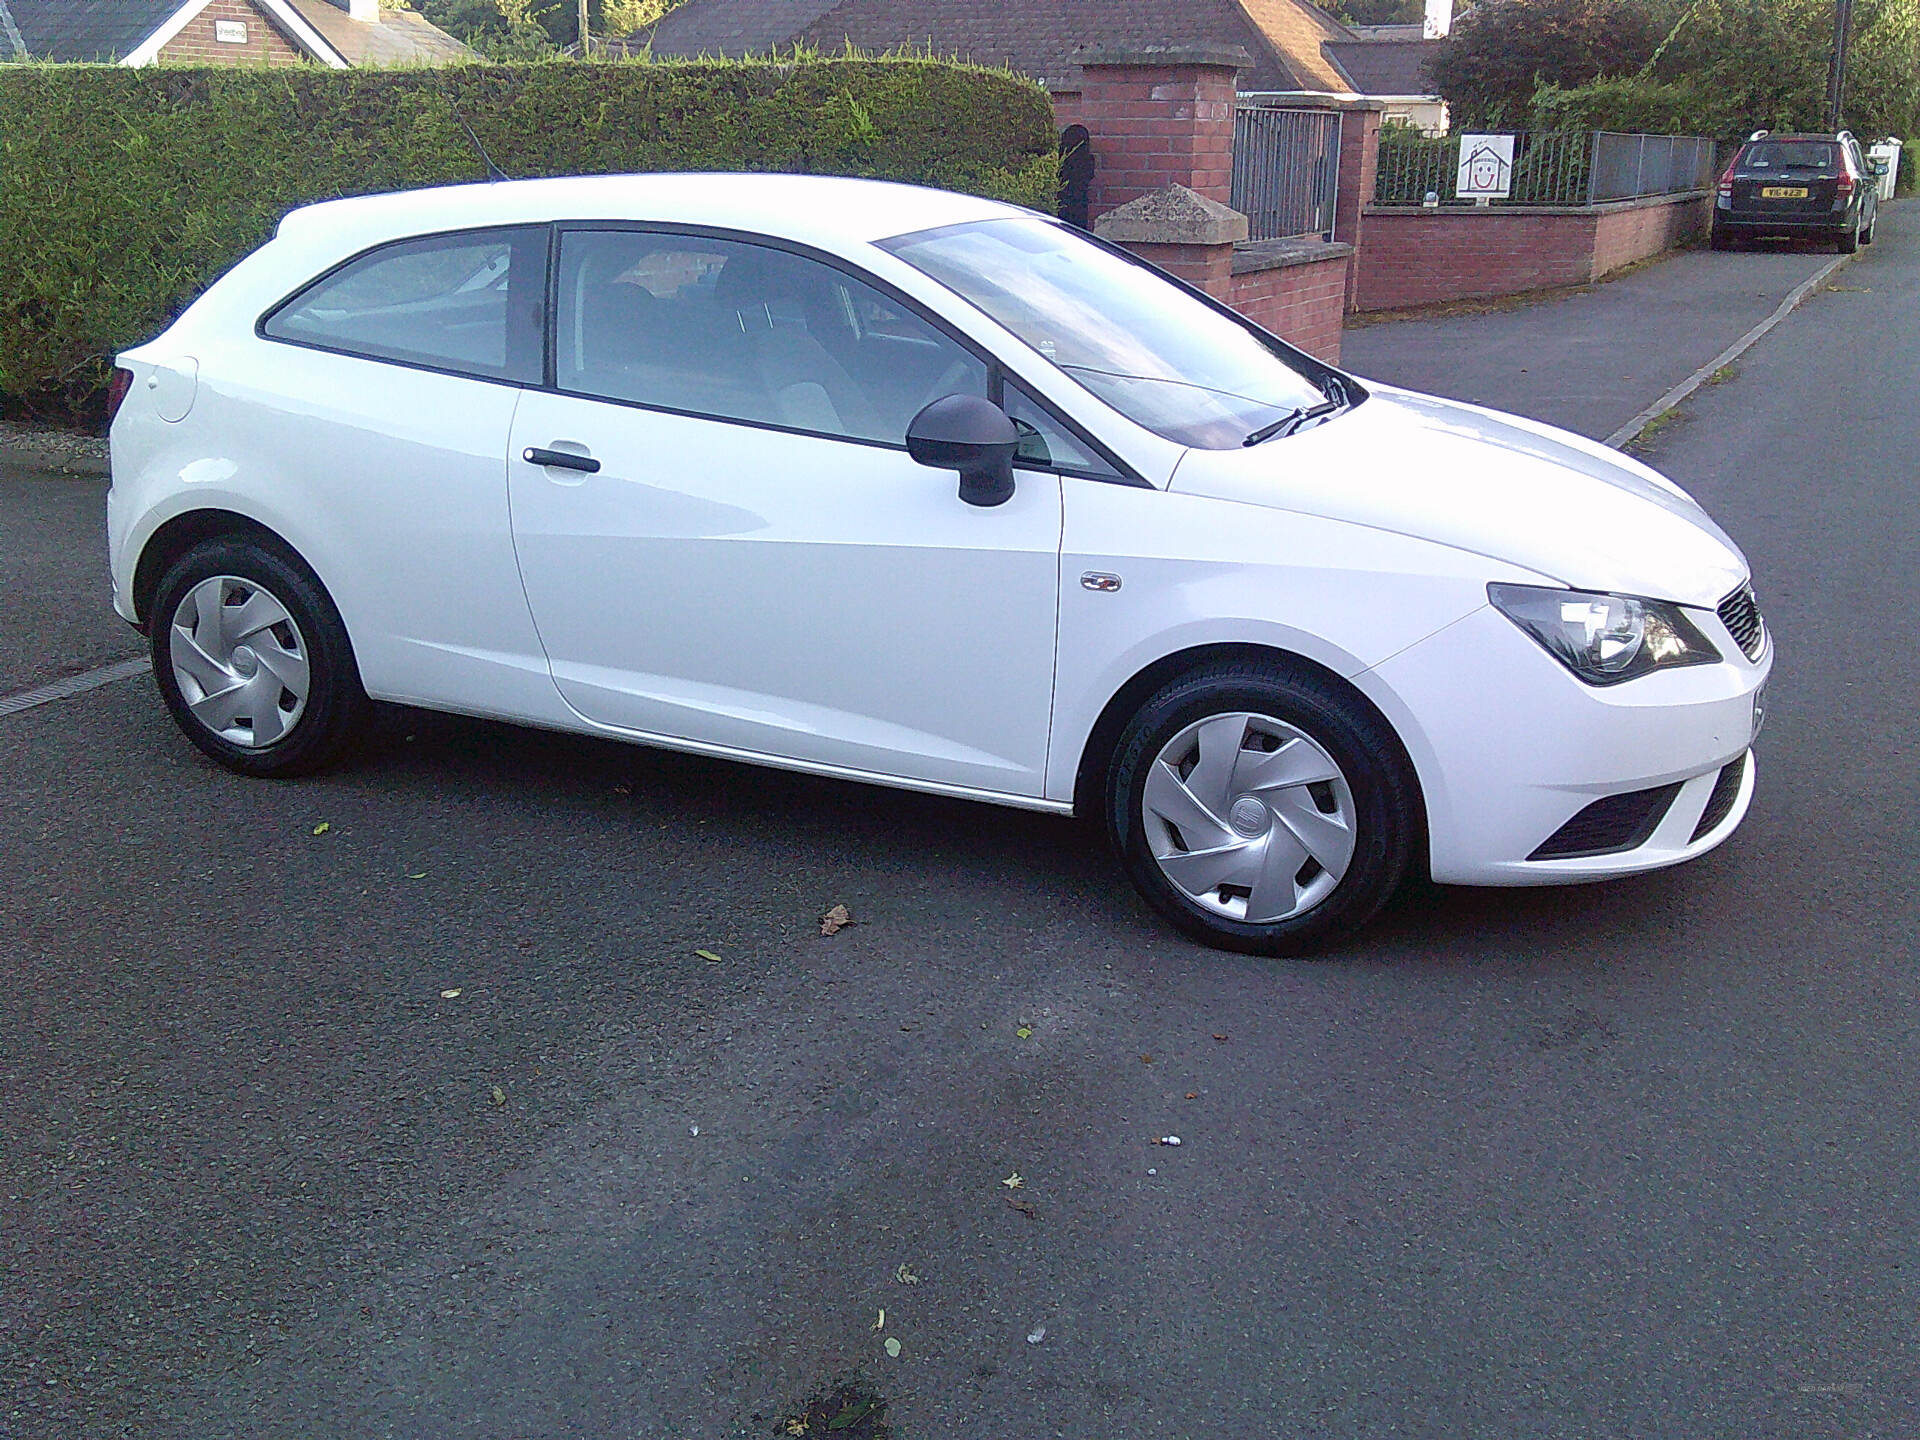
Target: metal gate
<point>1286,170</point>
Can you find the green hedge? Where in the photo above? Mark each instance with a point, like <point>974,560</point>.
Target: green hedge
<point>123,193</point>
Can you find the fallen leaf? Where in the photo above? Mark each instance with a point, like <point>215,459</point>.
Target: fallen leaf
<point>708,955</point>
<point>421,875</point>
<point>881,1323</point>
<point>906,1275</point>
<point>835,920</point>
<point>1221,1038</point>
<point>499,1096</point>
<point>1146,1059</point>
<point>893,1348</point>
<point>322,828</point>
<point>1025,1207</point>
<point>853,1410</point>
<point>450,994</point>
<point>1193,1094</point>
<point>1024,1031</point>
<point>796,1427</point>
<point>1013,1181</point>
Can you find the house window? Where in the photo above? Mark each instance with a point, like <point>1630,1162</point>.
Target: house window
<point>230,32</point>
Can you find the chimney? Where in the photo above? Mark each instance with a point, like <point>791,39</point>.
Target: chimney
<point>1439,18</point>
<point>367,12</point>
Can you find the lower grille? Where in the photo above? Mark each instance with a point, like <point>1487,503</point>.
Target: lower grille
<point>1726,790</point>
<point>1740,613</point>
<point>1609,825</point>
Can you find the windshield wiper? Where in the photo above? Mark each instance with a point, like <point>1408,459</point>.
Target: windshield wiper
<point>1294,419</point>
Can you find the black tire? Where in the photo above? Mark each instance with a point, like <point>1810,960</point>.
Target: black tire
<point>1721,240</point>
<point>1387,816</point>
<point>334,705</point>
<point>1847,241</point>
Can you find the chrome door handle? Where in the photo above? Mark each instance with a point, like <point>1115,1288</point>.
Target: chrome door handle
<point>561,460</point>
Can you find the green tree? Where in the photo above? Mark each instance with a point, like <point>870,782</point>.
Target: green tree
<point>1502,51</point>
<point>1729,67</point>
<point>529,29</point>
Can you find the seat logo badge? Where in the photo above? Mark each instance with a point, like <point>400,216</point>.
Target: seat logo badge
<point>1099,580</point>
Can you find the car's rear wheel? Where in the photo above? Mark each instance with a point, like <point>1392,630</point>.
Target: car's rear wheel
<point>253,660</point>
<point>1848,241</point>
<point>1262,808</point>
<point>1721,240</point>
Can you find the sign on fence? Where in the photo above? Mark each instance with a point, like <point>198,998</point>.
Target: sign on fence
<point>1486,167</point>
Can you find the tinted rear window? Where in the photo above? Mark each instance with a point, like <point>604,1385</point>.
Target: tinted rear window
<point>1791,155</point>
<point>443,301</point>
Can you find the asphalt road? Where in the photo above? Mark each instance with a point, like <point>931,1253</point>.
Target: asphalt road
<point>1626,1161</point>
<point>1589,359</point>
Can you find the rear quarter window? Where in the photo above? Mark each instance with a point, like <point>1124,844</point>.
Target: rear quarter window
<point>469,303</point>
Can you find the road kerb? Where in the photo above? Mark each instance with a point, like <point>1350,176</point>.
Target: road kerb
<point>1631,430</point>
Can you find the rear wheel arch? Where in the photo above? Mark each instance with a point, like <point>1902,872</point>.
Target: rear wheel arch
<point>180,534</point>
<point>1096,756</point>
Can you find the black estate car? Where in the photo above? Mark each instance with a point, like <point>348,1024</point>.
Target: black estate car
<point>1798,185</point>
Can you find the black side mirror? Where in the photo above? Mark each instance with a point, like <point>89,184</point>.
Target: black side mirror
<point>973,436</point>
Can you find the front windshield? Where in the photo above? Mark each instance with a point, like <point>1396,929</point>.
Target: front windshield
<point>1152,352</point>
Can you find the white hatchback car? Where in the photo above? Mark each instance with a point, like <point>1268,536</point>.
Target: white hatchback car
<point>673,459</point>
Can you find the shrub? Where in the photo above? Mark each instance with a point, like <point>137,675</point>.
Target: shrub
<point>123,193</point>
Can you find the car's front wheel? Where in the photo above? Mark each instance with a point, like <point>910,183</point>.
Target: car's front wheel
<point>1262,808</point>
<point>253,660</point>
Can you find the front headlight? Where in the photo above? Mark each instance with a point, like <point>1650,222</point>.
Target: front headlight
<point>1604,639</point>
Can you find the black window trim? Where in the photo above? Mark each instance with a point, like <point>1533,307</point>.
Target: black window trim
<point>1123,473</point>
<point>306,286</point>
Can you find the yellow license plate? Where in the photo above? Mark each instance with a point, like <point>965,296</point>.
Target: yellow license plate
<point>1783,192</point>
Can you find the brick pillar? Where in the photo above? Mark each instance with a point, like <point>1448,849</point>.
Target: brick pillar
<point>1160,115</point>
<point>1180,231</point>
<point>1359,165</point>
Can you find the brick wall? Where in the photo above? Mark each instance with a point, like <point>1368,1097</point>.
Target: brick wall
<point>1421,257</point>
<point>1155,126</point>
<point>1304,304</point>
<point>1208,267</point>
<point>1624,236</point>
<point>196,45</point>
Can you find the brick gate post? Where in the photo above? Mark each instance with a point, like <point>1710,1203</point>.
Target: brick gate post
<point>1160,115</point>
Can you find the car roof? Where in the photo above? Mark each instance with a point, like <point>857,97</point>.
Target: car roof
<point>822,210</point>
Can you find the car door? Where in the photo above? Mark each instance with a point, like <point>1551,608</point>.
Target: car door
<point>378,400</point>
<point>725,543</point>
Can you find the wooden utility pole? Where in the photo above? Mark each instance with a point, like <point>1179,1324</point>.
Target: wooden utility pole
<point>583,29</point>
<point>1837,75</point>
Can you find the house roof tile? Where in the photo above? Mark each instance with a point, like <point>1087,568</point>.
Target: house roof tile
<point>1386,67</point>
<point>400,37</point>
<point>87,29</point>
<point>1035,37</point>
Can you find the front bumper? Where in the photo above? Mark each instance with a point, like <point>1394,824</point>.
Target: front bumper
<point>1509,747</point>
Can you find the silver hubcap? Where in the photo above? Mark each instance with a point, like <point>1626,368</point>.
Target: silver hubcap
<point>1249,817</point>
<point>239,660</point>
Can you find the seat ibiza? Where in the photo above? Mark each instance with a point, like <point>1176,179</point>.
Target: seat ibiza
<point>917,489</point>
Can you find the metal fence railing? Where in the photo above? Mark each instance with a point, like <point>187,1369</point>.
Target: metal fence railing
<point>1626,167</point>
<point>1286,170</point>
<point>1581,168</point>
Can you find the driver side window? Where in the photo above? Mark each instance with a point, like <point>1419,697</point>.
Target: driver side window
<point>746,332</point>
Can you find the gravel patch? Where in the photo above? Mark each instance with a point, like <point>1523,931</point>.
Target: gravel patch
<point>57,452</point>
